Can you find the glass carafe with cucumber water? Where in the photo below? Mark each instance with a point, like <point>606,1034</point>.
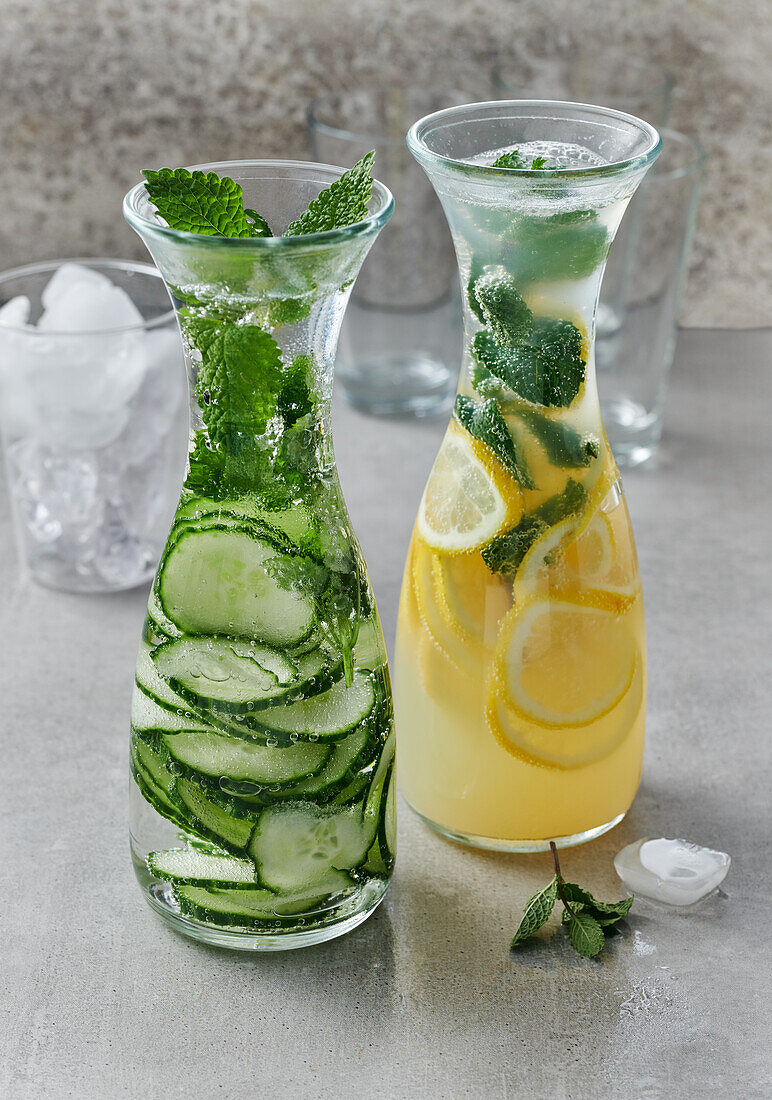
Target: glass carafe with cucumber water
<point>520,672</point>
<point>262,792</point>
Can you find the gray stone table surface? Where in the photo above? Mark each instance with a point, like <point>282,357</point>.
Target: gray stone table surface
<point>100,999</point>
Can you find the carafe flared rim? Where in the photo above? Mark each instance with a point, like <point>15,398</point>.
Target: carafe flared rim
<point>643,151</point>
<point>142,216</point>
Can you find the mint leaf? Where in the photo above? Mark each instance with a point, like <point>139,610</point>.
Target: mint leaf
<point>546,368</point>
<point>601,910</point>
<point>501,307</point>
<point>512,159</point>
<point>568,245</point>
<point>295,399</point>
<point>563,445</point>
<point>537,912</point>
<point>343,203</point>
<point>484,421</point>
<point>259,224</point>
<point>238,379</point>
<point>205,468</point>
<point>505,553</point>
<point>200,202</point>
<point>585,934</point>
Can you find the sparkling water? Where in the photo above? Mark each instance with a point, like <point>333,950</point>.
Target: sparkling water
<point>92,412</point>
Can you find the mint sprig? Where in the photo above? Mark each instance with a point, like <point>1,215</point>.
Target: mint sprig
<point>589,921</point>
<point>203,202</point>
<point>545,367</point>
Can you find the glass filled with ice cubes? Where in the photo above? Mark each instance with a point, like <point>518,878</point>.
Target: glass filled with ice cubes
<point>93,419</point>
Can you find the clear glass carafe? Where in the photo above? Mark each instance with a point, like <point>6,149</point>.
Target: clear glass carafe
<point>262,799</point>
<point>520,670</point>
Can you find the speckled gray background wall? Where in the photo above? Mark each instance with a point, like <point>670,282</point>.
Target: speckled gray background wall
<point>93,90</point>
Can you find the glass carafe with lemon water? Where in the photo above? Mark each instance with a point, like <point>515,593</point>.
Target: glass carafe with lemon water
<point>521,665</point>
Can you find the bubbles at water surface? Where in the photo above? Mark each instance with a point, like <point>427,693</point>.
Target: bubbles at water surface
<point>558,154</point>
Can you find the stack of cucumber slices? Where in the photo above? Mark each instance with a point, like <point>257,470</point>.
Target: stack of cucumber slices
<point>247,735</point>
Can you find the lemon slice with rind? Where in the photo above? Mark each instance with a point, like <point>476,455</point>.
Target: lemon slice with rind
<point>566,663</point>
<point>472,600</point>
<point>570,747</point>
<point>465,651</point>
<point>468,499</point>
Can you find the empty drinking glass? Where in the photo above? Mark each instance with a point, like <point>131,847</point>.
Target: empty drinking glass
<point>93,419</point>
<point>634,355</point>
<point>398,351</point>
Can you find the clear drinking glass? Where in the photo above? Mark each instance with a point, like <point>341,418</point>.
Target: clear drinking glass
<point>634,358</point>
<point>520,670</point>
<point>398,350</point>
<point>262,745</point>
<point>93,418</point>
<point>591,75</point>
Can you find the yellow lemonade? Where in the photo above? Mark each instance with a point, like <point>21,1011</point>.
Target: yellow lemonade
<point>520,696</point>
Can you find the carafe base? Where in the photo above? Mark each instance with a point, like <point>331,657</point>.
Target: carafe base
<point>522,847</point>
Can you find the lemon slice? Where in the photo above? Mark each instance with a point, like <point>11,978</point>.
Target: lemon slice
<point>466,653</point>
<point>571,747</point>
<point>566,663</point>
<point>472,600</point>
<point>467,500</point>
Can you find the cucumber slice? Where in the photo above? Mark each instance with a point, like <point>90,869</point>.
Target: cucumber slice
<point>159,624</point>
<point>191,865</point>
<point>216,756</point>
<point>380,858</point>
<point>328,716</point>
<point>296,844</point>
<point>156,795</point>
<point>223,671</point>
<point>219,580</point>
<point>292,522</point>
<point>373,806</point>
<point>148,714</point>
<point>154,686</point>
<point>243,908</point>
<point>153,766</point>
<point>212,821</point>
<point>346,757</point>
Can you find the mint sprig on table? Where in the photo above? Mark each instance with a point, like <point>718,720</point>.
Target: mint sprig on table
<point>589,921</point>
<point>203,202</point>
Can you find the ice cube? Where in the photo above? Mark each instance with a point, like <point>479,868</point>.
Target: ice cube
<point>66,277</point>
<point>16,312</point>
<point>675,872</point>
<point>119,557</point>
<point>80,300</point>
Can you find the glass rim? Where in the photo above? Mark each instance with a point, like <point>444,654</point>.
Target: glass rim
<point>418,146</point>
<point>306,241</point>
<point>41,266</point>
<point>699,156</point>
<point>342,133</point>
<point>664,79</point>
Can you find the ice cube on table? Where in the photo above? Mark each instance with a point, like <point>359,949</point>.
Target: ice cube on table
<point>675,872</point>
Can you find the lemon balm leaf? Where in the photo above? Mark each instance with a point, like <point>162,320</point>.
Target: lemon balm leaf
<point>484,421</point>
<point>537,912</point>
<point>585,934</point>
<point>201,202</point>
<point>343,203</point>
